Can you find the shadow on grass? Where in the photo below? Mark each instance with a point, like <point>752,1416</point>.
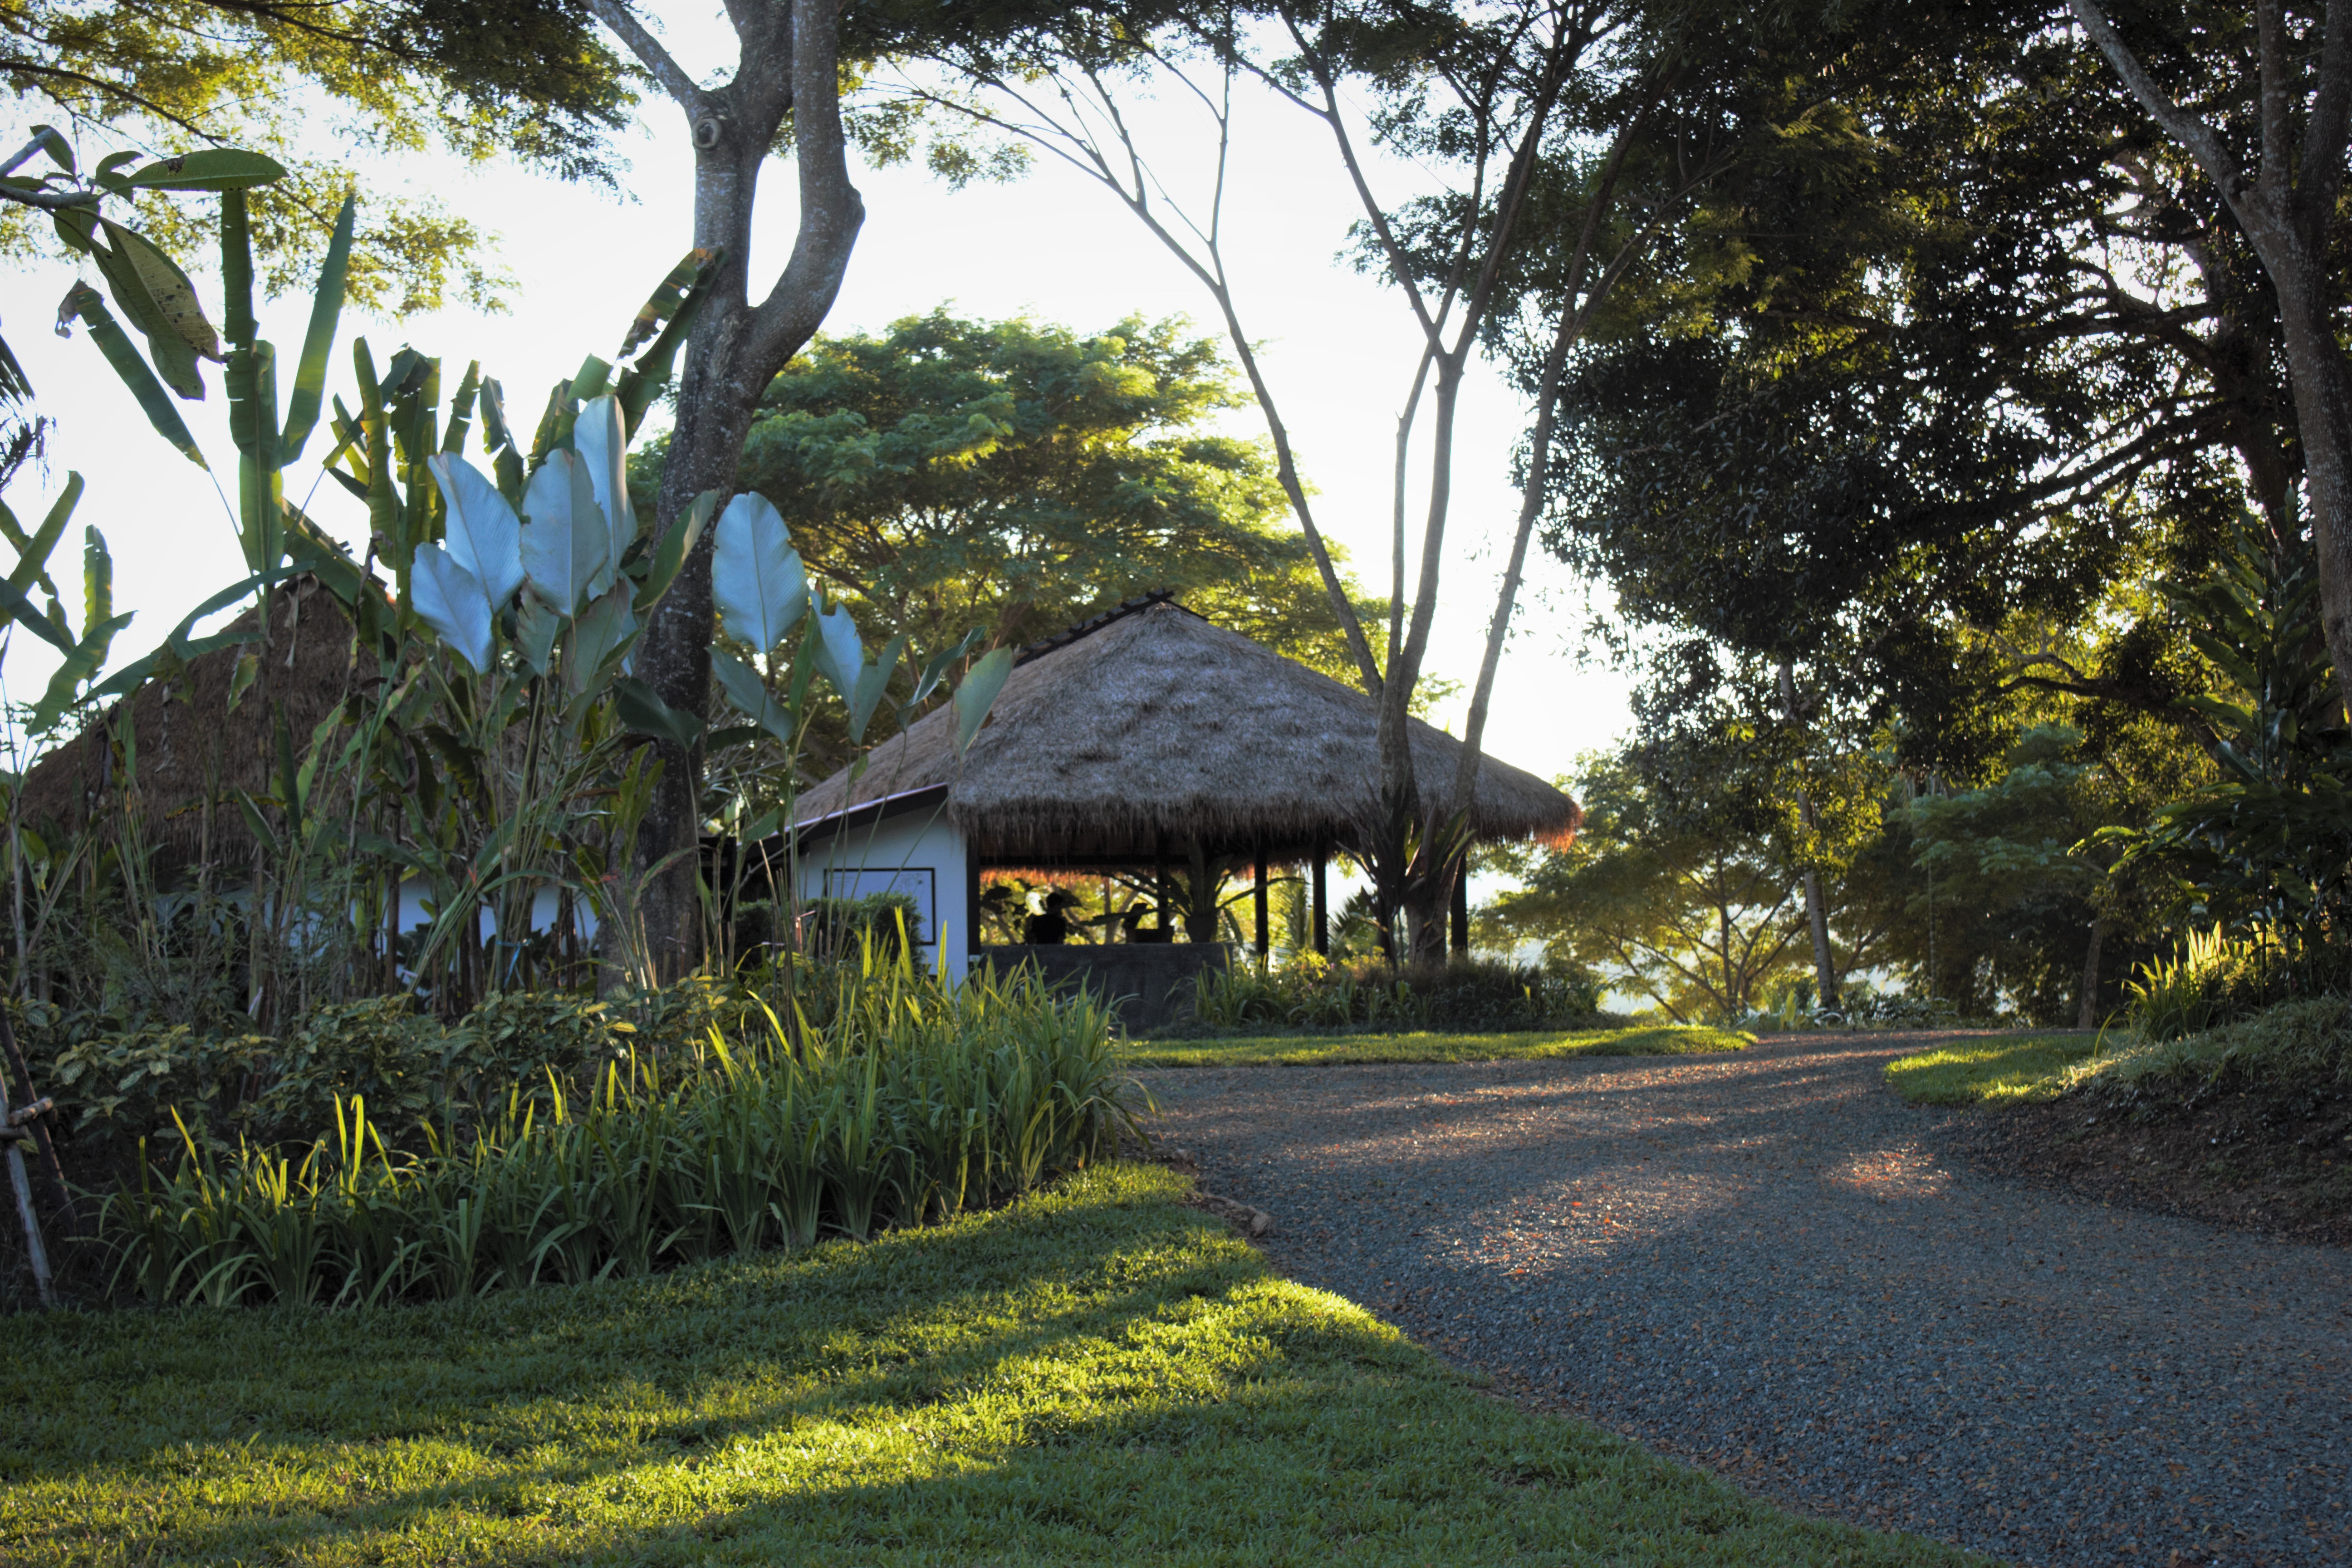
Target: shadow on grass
<point>1094,1374</point>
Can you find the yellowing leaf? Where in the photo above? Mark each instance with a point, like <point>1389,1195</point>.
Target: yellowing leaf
<point>173,296</point>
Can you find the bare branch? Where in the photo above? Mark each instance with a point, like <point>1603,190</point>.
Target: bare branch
<point>616,15</point>
<point>2182,126</point>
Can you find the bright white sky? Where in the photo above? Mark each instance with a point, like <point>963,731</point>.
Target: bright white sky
<point>1338,348</point>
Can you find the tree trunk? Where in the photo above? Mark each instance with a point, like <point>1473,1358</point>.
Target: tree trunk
<point>2286,207</point>
<point>1816,913</point>
<point>2087,1018</point>
<point>789,63</point>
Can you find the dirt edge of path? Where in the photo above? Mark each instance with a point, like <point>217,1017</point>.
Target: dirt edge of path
<point>2276,1162</point>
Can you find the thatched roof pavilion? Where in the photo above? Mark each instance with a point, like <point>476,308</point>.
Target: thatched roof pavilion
<point>1145,736</point>
<point>1150,725</point>
<point>192,747</point>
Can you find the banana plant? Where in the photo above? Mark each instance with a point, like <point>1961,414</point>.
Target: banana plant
<point>148,286</point>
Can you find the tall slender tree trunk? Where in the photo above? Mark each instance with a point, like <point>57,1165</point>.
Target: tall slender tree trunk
<point>789,64</point>
<point>2286,206</point>
<point>1817,916</point>
<point>2087,1016</point>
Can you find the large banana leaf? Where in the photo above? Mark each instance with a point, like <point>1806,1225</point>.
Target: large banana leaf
<point>482,534</point>
<point>836,652</point>
<point>604,448</point>
<point>86,302</point>
<point>214,169</point>
<point>756,578</point>
<point>326,310</point>
<point>88,656</point>
<point>33,553</point>
<point>452,602</point>
<point>566,544</point>
<point>976,693</point>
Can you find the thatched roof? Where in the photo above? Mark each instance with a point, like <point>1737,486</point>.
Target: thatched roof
<point>191,747</point>
<point>1152,721</point>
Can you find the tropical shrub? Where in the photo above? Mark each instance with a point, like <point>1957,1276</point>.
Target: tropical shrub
<point>920,1099</point>
<point>2213,978</point>
<point>2304,1043</point>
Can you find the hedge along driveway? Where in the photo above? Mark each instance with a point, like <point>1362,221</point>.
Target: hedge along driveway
<point>1328,1050</point>
<point>1096,1374</point>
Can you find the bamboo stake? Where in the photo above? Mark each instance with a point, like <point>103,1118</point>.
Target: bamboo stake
<point>23,1185</point>
<point>60,1194</point>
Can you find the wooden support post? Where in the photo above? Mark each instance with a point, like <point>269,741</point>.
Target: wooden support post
<point>1160,886</point>
<point>971,910</point>
<point>1462,910</point>
<point>1322,911</point>
<point>1258,898</point>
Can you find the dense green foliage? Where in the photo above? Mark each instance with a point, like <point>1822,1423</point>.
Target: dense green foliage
<point>526,78</point>
<point>1020,477</point>
<point>914,1101</point>
<point>1095,1373</point>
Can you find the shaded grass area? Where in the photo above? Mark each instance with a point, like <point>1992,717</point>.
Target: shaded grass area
<point>1311,1050</point>
<point>2004,1070</point>
<point>1096,1374</point>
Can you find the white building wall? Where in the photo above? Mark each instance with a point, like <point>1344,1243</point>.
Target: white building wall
<point>918,853</point>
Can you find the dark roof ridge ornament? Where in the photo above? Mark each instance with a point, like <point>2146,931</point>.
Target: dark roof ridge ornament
<point>1120,612</point>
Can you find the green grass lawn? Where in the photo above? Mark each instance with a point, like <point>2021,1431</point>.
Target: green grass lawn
<point>2003,1072</point>
<point>1096,1375</point>
<point>1307,1050</point>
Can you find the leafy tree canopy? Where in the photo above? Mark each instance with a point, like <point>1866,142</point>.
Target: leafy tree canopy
<point>2014,355</point>
<point>1018,477</point>
<point>312,85</point>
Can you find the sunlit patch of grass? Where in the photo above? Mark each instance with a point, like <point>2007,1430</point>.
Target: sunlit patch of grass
<point>1314,1050</point>
<point>1096,1374</point>
<point>2004,1070</point>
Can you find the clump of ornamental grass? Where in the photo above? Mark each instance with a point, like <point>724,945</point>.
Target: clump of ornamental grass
<point>917,1100</point>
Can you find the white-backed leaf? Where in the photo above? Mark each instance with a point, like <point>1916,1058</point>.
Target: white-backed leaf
<point>565,542</point>
<point>840,656</point>
<point>873,680</point>
<point>747,691</point>
<point>756,578</point>
<point>482,534</point>
<point>453,604</point>
<point>976,694</point>
<point>603,447</point>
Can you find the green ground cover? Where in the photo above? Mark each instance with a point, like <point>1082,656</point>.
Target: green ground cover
<point>2003,1070</point>
<point>1316,1051</point>
<point>1094,1374</point>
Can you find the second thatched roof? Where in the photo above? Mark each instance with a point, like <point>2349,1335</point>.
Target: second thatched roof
<point>1153,725</point>
<point>194,748</point>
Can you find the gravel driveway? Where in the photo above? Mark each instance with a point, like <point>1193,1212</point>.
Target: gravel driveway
<point>1763,1263</point>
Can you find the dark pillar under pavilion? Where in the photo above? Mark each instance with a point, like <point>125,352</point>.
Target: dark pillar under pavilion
<point>1160,886</point>
<point>1322,918</point>
<point>1257,898</point>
